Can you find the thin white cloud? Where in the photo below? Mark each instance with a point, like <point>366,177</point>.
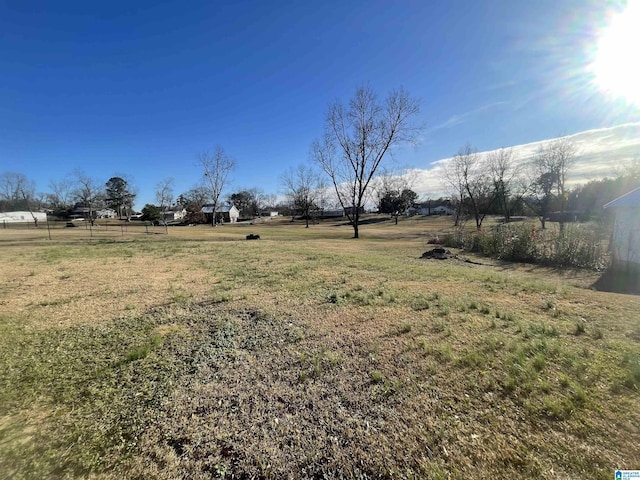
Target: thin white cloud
<point>462,117</point>
<point>601,152</point>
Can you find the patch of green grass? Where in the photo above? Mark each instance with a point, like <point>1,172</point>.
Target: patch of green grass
<point>420,303</point>
<point>631,366</point>
<point>376,376</point>
<point>540,330</point>
<point>404,328</point>
<point>56,302</point>
<point>472,359</point>
<point>440,351</point>
<point>142,351</point>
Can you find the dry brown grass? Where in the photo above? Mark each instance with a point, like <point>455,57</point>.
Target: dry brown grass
<point>307,354</point>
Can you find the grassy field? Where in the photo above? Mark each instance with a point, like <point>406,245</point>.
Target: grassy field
<point>306,354</point>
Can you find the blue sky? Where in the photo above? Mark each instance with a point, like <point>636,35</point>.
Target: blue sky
<point>140,88</point>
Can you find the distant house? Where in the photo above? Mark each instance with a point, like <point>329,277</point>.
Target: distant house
<point>567,216</point>
<point>22,217</point>
<point>106,213</point>
<point>442,210</point>
<point>351,210</point>
<point>82,212</point>
<point>433,209</point>
<point>268,213</point>
<point>332,213</point>
<point>174,213</point>
<point>625,242</point>
<point>224,213</point>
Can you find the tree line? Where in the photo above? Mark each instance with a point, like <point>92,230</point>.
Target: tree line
<point>501,183</point>
<point>347,169</point>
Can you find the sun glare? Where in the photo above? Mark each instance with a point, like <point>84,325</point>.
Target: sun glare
<point>617,62</point>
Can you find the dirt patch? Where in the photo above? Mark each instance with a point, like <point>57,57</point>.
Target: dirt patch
<point>440,253</point>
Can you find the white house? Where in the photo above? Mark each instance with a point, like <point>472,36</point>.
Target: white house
<point>625,242</point>
<point>268,213</point>
<point>425,209</point>
<point>22,217</point>
<point>174,213</point>
<point>442,210</point>
<point>228,213</point>
<point>106,213</point>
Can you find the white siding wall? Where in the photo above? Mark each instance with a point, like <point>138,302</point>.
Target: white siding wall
<point>22,217</point>
<point>626,238</point>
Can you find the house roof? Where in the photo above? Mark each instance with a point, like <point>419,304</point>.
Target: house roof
<point>220,209</point>
<point>630,199</point>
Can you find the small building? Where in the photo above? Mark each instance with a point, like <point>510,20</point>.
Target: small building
<point>224,213</point>
<point>625,241</point>
<point>332,213</point>
<point>174,213</point>
<point>442,210</point>
<point>82,212</point>
<point>268,213</point>
<point>106,213</point>
<point>352,210</point>
<point>22,217</point>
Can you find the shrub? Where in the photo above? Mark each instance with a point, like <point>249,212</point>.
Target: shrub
<point>577,245</point>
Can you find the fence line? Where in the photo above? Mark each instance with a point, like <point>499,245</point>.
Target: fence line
<point>98,229</point>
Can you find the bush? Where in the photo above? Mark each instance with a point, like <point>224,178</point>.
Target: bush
<point>518,243</point>
<point>451,240</point>
<point>578,245</point>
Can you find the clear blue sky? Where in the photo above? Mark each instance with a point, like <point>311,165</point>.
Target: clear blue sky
<point>140,88</point>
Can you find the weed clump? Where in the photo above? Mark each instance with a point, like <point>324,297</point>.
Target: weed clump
<point>577,245</point>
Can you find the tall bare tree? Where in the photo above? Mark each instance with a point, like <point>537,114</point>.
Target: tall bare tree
<point>164,197</point>
<point>18,191</point>
<point>61,193</point>
<point>505,174</point>
<point>452,178</point>
<point>303,186</point>
<point>216,168</point>
<point>267,201</point>
<point>164,192</point>
<point>87,192</point>
<point>394,192</point>
<point>357,138</point>
<point>467,174</point>
<point>550,168</point>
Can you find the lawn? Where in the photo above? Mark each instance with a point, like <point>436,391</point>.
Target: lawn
<point>306,354</point>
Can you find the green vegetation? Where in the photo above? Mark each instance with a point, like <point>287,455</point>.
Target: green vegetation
<point>307,354</point>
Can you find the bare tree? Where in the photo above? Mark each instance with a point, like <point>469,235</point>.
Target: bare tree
<point>87,192</point>
<point>164,196</point>
<point>164,192</point>
<point>61,193</point>
<point>549,169</point>
<point>216,168</point>
<point>452,177</point>
<point>303,186</point>
<point>357,138</point>
<point>467,174</point>
<point>505,174</point>
<point>18,191</point>
<point>394,193</point>
<point>267,201</point>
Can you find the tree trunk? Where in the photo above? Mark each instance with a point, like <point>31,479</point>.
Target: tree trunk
<point>543,223</point>
<point>356,220</point>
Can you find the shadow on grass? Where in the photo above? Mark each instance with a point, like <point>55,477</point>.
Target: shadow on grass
<point>618,282</point>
